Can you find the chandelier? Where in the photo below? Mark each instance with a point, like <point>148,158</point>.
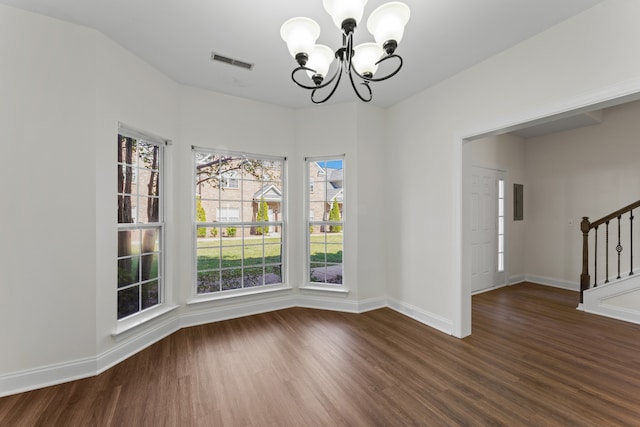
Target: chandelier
<point>386,24</point>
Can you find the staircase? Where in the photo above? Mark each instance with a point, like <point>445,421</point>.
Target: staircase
<point>619,299</point>
<point>609,292</point>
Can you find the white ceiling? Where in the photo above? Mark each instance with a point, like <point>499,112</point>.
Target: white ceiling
<point>442,38</point>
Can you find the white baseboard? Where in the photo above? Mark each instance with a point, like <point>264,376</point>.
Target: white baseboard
<point>214,313</point>
<point>422,316</point>
<point>19,382</point>
<point>493,288</point>
<point>372,304</point>
<point>344,305</point>
<point>556,283</point>
<point>516,279</point>
<point>134,342</point>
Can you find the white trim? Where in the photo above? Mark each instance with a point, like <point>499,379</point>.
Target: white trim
<point>336,289</point>
<point>240,154</point>
<point>327,303</point>
<point>492,288</point>
<point>372,304</point>
<point>22,381</point>
<point>320,286</point>
<point>430,319</point>
<point>555,283</point>
<point>239,293</point>
<point>127,324</point>
<point>133,344</point>
<point>132,132</point>
<point>512,280</point>
<point>596,299</point>
<point>214,313</point>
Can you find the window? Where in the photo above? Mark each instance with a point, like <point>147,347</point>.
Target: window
<point>247,251</point>
<point>140,225</point>
<point>229,180</point>
<point>311,182</point>
<point>228,214</point>
<point>325,241</point>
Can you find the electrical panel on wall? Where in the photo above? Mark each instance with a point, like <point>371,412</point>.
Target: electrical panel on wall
<point>518,202</point>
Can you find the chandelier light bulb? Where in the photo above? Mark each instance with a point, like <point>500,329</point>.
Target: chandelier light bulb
<point>320,60</point>
<point>387,22</point>
<point>364,59</point>
<point>300,34</point>
<point>341,10</point>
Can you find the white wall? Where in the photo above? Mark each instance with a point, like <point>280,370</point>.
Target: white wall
<point>212,120</point>
<point>370,192</point>
<point>586,59</point>
<point>590,171</point>
<point>129,91</point>
<point>358,132</point>
<point>47,183</point>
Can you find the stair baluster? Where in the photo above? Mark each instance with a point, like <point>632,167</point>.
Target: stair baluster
<point>631,242</point>
<point>585,227</point>
<point>618,248</point>
<point>606,253</point>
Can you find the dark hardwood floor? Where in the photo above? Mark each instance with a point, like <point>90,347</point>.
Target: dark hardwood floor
<point>533,360</point>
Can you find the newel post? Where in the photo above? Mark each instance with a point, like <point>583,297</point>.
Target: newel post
<point>585,226</point>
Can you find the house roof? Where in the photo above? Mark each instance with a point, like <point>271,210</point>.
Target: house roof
<point>335,175</point>
<point>335,193</point>
<point>269,193</point>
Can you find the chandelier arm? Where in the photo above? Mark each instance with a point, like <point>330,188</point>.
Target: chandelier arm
<point>302,85</point>
<point>388,76</point>
<point>365,83</point>
<point>333,90</point>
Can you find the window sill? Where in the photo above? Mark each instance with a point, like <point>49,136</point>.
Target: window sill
<point>320,288</point>
<point>132,323</point>
<point>237,294</point>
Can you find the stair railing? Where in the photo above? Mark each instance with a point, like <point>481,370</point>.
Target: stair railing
<point>586,226</point>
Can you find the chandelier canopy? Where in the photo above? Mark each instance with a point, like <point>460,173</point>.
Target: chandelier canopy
<point>386,24</point>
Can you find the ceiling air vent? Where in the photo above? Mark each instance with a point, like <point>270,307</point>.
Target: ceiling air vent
<point>231,61</point>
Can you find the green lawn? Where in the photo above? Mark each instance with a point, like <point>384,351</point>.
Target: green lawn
<point>210,251</point>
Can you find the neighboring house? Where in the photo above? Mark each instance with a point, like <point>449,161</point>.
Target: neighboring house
<point>325,186</point>
<point>241,194</point>
<point>235,194</point>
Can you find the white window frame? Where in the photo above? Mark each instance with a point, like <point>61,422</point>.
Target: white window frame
<point>144,314</point>
<point>322,224</point>
<point>281,224</point>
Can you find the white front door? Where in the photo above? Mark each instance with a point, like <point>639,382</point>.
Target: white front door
<point>487,228</point>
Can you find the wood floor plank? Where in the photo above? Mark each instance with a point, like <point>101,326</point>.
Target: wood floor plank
<point>532,359</point>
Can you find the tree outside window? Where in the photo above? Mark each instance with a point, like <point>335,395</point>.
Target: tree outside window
<point>139,226</point>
